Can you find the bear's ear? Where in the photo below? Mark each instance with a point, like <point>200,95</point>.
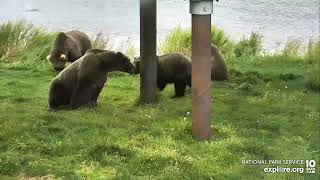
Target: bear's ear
<point>63,56</point>
<point>48,57</point>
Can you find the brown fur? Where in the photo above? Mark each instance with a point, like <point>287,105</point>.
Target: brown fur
<point>219,70</point>
<point>72,45</point>
<point>82,81</point>
<point>172,68</point>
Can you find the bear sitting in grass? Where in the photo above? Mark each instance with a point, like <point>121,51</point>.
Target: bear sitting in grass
<point>68,46</point>
<point>82,81</point>
<point>171,68</point>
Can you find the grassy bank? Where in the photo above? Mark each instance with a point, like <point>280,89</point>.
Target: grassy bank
<point>268,110</point>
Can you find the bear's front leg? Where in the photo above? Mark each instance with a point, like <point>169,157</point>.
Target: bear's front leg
<point>97,89</point>
<point>59,96</point>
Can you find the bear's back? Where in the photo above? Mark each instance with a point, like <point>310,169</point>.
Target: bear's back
<point>70,73</point>
<point>172,64</point>
<point>79,40</point>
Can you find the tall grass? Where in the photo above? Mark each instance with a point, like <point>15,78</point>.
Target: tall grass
<point>292,48</point>
<point>22,42</point>
<point>14,37</point>
<point>99,41</point>
<point>221,40</point>
<point>313,53</point>
<point>313,56</point>
<point>33,44</point>
<point>19,37</point>
<point>251,46</point>
<point>314,77</point>
<point>179,41</point>
<point>130,50</point>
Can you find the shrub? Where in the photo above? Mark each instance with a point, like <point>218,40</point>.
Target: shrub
<point>249,47</point>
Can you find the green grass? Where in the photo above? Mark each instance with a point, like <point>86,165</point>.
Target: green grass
<point>266,111</point>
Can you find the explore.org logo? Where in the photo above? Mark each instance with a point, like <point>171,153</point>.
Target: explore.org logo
<point>284,166</point>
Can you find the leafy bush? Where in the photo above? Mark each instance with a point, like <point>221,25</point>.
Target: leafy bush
<point>249,47</point>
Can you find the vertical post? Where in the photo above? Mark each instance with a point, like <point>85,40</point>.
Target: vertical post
<point>148,47</point>
<point>201,73</point>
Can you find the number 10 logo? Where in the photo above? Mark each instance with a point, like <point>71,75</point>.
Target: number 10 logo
<point>311,166</point>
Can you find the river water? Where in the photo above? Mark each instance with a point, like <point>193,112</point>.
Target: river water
<point>277,20</point>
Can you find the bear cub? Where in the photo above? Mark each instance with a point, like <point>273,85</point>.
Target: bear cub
<point>68,47</point>
<point>171,68</point>
<point>82,81</point>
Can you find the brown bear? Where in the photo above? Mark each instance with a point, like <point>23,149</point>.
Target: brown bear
<point>219,70</point>
<point>171,68</point>
<point>82,81</point>
<point>68,46</point>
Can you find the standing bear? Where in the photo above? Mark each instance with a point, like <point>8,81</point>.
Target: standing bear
<point>171,68</point>
<point>68,46</point>
<point>82,81</point>
<point>219,70</point>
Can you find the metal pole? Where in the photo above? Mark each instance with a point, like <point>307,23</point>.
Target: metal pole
<point>148,46</point>
<point>201,81</point>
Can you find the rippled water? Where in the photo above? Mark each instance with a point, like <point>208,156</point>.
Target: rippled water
<point>277,20</point>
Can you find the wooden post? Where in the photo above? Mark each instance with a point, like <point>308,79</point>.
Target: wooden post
<point>201,77</point>
<point>148,47</point>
